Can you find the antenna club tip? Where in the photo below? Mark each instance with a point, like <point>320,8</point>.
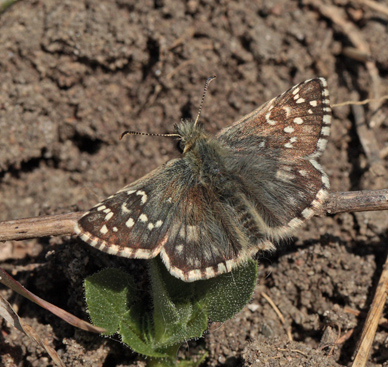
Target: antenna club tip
<point>124,133</point>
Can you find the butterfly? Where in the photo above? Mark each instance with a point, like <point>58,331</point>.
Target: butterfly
<point>229,195</point>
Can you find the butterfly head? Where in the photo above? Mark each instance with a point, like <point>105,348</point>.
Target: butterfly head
<point>190,134</point>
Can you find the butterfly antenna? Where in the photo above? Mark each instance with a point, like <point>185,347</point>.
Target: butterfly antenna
<point>148,134</point>
<point>208,81</point>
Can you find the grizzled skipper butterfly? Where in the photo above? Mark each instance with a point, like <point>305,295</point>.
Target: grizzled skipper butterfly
<point>229,195</point>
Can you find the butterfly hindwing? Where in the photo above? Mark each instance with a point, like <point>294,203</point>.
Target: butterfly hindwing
<point>211,234</point>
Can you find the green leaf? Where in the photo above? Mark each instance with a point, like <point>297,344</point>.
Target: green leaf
<point>157,322</point>
<point>135,332</point>
<point>227,294</point>
<point>177,314</point>
<point>109,294</point>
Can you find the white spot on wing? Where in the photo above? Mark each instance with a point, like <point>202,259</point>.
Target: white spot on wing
<point>104,229</point>
<point>325,181</point>
<point>284,176</point>
<point>158,223</point>
<point>321,144</point>
<point>323,81</point>
<point>325,130</point>
<point>327,119</point>
<point>298,120</point>
<point>129,223</point>
<point>109,216</point>
<point>195,274</point>
<point>267,118</point>
<point>124,208</point>
<point>229,265</point>
<point>288,110</point>
<point>189,233</point>
<point>143,195</point>
<point>143,254</point>
<point>221,268</point>
<point>307,213</point>
<point>143,218</point>
<point>296,222</point>
<point>291,142</point>
<point>210,273</point>
<point>289,129</point>
<point>322,195</point>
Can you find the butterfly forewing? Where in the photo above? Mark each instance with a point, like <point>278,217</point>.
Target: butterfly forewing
<point>294,124</point>
<point>134,221</point>
<point>282,139</point>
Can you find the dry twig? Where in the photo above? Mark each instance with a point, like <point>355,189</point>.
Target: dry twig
<point>63,224</point>
<point>279,314</point>
<point>372,321</point>
<point>355,36</point>
<point>368,140</point>
<point>381,8</point>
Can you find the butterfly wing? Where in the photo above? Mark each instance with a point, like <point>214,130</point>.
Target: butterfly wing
<point>210,235</point>
<point>295,124</point>
<point>170,212</point>
<point>274,151</point>
<point>134,221</point>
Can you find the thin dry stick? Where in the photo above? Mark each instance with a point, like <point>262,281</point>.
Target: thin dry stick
<point>63,224</point>
<point>356,37</point>
<point>372,320</point>
<point>360,103</point>
<point>357,201</point>
<point>280,315</point>
<point>275,308</point>
<point>375,6</point>
<point>368,139</point>
<point>48,225</point>
<point>382,322</point>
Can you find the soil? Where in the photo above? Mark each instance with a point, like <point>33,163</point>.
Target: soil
<point>75,74</point>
